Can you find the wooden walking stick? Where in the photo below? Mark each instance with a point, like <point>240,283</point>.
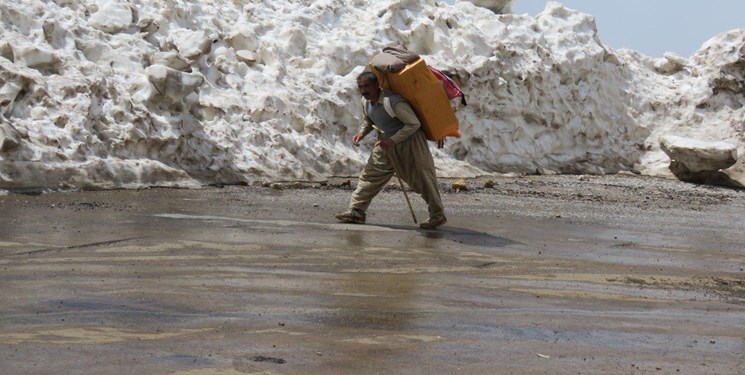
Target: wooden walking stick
<point>398,175</point>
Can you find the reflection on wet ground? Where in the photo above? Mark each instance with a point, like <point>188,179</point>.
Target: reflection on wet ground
<point>278,291</point>
<point>462,236</point>
<point>369,301</point>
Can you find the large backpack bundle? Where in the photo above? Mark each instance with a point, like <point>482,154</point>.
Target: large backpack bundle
<point>451,88</point>
<point>424,87</point>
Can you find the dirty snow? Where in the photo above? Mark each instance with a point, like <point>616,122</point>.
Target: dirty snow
<point>112,93</point>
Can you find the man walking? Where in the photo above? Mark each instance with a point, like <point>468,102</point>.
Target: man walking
<point>400,138</point>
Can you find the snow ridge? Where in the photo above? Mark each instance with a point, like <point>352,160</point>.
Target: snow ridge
<point>128,94</point>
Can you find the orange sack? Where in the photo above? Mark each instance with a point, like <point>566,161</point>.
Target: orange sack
<point>427,97</point>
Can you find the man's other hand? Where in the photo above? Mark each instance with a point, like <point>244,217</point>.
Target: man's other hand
<point>385,143</point>
<point>357,138</point>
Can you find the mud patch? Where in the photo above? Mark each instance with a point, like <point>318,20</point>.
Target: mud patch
<point>729,290</point>
<point>250,363</point>
<point>581,294</point>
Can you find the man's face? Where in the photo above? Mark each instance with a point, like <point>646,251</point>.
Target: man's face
<point>368,89</point>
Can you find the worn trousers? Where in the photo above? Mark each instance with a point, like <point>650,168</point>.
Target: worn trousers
<point>415,166</point>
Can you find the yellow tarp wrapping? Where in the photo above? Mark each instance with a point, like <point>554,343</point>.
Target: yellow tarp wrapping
<point>426,95</point>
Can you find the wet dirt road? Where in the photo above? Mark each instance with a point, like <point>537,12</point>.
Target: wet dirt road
<point>543,275</point>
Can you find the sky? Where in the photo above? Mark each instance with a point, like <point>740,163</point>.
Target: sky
<point>653,27</point>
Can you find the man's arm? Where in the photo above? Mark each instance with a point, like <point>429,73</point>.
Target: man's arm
<point>406,114</point>
<point>367,126</point>
<point>365,129</point>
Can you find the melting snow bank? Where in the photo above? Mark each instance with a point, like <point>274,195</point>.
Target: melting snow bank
<point>109,94</point>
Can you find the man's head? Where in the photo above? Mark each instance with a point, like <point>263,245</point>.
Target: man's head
<point>367,83</point>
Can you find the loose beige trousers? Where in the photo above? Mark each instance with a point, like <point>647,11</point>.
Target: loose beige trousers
<point>416,167</point>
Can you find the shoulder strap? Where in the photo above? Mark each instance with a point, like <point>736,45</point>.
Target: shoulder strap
<point>388,107</point>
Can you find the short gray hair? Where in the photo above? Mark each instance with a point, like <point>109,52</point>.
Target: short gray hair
<point>368,76</point>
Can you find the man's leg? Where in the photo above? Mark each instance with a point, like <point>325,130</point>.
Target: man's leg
<point>418,170</point>
<point>373,178</point>
<point>431,194</point>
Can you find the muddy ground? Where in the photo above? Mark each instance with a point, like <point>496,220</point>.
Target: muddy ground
<point>541,275</point>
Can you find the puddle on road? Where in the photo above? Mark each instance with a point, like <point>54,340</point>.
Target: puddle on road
<point>340,226</point>
<point>180,245</point>
<point>458,235</point>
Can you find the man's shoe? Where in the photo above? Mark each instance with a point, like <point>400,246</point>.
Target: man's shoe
<point>433,224</point>
<point>353,216</point>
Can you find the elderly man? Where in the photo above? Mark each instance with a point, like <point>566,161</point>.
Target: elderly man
<point>400,138</point>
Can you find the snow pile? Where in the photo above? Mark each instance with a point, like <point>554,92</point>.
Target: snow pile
<point>114,93</point>
<point>700,98</point>
<point>496,6</point>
